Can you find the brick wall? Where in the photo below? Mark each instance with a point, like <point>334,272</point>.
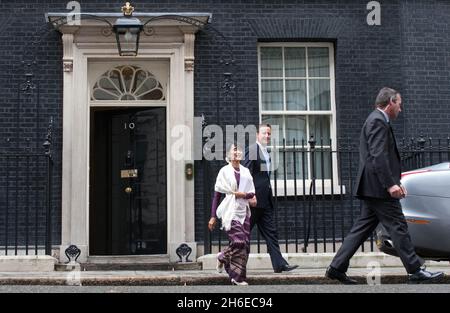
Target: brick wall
<point>409,51</point>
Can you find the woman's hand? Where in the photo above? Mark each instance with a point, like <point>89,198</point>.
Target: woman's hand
<point>240,195</point>
<point>252,202</point>
<point>212,223</point>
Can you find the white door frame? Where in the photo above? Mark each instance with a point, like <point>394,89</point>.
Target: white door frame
<point>76,136</point>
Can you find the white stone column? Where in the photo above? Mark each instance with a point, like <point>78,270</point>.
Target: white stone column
<point>189,67</point>
<point>67,153</point>
<point>176,208</point>
<point>181,214</point>
<point>75,161</point>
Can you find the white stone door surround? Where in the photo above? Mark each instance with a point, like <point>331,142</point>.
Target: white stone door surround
<point>172,41</point>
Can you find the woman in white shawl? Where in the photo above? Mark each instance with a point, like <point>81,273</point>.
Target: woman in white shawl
<point>236,183</point>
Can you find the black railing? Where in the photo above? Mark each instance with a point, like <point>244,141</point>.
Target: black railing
<point>314,198</point>
<point>421,152</point>
<point>25,204</point>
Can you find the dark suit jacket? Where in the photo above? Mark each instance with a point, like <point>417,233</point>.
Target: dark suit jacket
<point>261,179</point>
<point>379,159</point>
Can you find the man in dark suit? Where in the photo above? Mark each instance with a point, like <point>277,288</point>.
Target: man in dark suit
<point>378,186</point>
<point>257,160</point>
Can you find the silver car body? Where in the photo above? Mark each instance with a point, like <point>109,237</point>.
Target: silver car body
<point>427,211</point>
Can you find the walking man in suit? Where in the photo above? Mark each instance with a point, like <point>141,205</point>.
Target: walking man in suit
<point>257,160</point>
<point>378,186</point>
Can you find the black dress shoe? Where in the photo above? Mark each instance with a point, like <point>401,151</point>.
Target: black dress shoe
<point>422,277</point>
<point>286,268</point>
<point>333,273</point>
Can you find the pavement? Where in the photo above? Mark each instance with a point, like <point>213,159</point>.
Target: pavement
<point>367,268</point>
<point>300,276</point>
<point>169,293</point>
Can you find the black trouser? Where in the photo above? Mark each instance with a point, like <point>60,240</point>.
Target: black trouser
<point>390,215</point>
<point>266,226</point>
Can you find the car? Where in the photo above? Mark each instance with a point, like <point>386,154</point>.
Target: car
<point>427,211</point>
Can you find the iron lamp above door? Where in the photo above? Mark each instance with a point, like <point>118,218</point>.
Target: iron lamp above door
<point>128,30</point>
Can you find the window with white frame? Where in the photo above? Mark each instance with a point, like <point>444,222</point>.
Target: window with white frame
<point>296,92</point>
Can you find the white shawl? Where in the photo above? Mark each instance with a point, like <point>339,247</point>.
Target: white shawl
<point>231,208</point>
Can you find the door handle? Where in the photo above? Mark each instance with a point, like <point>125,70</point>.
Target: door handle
<point>128,190</point>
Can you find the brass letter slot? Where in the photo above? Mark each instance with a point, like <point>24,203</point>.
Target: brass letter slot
<point>129,173</point>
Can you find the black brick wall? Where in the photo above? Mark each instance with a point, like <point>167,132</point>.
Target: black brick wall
<point>409,51</point>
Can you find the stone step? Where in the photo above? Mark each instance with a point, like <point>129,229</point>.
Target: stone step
<point>67,267</point>
<point>165,266</point>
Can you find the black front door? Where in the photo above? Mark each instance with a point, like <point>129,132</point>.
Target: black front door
<point>128,196</point>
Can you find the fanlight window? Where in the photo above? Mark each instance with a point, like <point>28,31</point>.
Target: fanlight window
<point>124,83</point>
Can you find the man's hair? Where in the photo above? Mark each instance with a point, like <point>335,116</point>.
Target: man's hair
<point>263,125</point>
<point>385,96</point>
